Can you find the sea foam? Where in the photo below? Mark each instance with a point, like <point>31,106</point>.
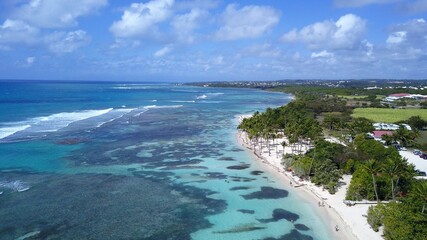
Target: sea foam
<point>202,96</point>
<point>114,114</point>
<point>7,131</point>
<point>49,123</point>
<point>182,101</point>
<point>165,106</point>
<point>16,185</point>
<point>57,121</point>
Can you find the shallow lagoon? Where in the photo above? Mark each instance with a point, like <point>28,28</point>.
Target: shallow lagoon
<point>169,171</point>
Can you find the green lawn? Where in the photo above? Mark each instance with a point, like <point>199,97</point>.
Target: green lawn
<point>357,97</point>
<point>353,96</point>
<point>388,115</point>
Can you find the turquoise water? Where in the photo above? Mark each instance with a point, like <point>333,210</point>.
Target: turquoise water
<point>139,161</point>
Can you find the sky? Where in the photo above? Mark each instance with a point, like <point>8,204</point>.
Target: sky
<point>212,40</point>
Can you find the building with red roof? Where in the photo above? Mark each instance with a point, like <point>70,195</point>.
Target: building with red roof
<point>379,133</point>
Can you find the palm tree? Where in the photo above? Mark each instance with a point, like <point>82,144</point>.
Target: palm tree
<point>387,138</point>
<point>405,136</point>
<point>421,192</point>
<point>372,167</point>
<point>395,168</point>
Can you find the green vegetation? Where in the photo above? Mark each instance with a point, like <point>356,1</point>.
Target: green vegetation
<point>346,110</point>
<point>298,121</point>
<point>353,96</point>
<point>379,173</point>
<point>422,141</point>
<point>361,97</point>
<point>388,115</point>
<point>405,219</point>
<point>349,89</point>
<point>416,122</point>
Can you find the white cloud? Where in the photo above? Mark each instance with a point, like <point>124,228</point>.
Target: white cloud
<point>360,3</point>
<point>30,60</point>
<point>163,51</point>
<point>345,33</point>
<point>412,33</point>
<point>396,37</point>
<point>408,40</point>
<point>124,43</point>
<point>247,22</point>
<point>296,56</point>
<point>292,36</point>
<point>56,13</point>
<point>218,60</point>
<point>139,18</point>
<point>31,23</point>
<point>322,54</point>
<point>66,42</point>
<point>17,32</point>
<point>185,24</point>
<point>368,47</point>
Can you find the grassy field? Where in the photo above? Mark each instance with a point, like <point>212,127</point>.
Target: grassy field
<point>357,97</point>
<point>353,96</point>
<point>388,115</point>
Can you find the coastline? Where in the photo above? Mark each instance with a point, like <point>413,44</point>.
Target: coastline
<point>351,221</point>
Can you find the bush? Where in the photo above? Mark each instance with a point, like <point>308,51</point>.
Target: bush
<point>288,160</point>
<point>301,166</point>
<point>360,186</point>
<point>326,174</point>
<point>375,217</point>
<point>350,166</point>
<point>332,186</point>
<point>401,223</point>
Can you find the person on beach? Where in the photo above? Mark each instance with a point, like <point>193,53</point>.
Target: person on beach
<point>337,228</point>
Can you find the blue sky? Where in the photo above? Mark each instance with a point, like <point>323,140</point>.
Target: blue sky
<point>196,40</point>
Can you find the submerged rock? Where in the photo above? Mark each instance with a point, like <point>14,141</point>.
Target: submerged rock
<point>279,214</point>
<point>239,188</point>
<point>267,193</point>
<point>241,228</point>
<point>239,167</point>
<point>293,235</point>
<point>216,175</point>
<point>301,227</point>
<point>246,211</point>
<point>242,179</point>
<point>70,141</point>
<point>256,173</point>
<point>284,214</point>
<point>104,206</point>
<point>226,159</point>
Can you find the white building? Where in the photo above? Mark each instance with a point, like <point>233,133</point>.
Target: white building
<point>390,126</point>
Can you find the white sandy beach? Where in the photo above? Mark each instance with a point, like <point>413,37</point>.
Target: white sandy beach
<point>351,220</point>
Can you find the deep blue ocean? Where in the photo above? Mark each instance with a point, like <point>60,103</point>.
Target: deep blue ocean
<point>138,161</point>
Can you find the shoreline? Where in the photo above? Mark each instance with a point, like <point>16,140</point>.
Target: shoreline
<point>351,221</point>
